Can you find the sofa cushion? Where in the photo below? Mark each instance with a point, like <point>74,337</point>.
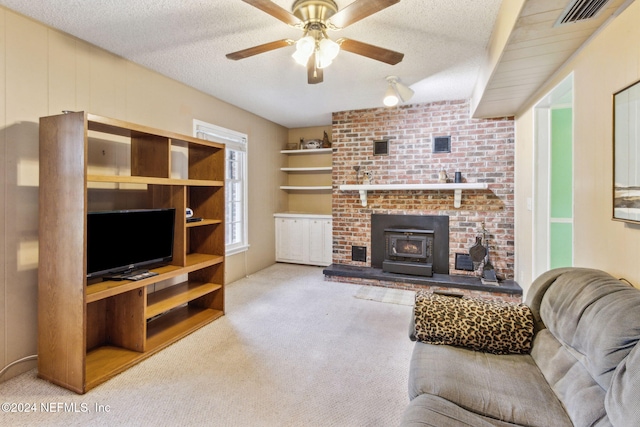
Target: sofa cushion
<point>428,410</point>
<point>492,326</point>
<point>581,396</point>
<point>509,388</point>
<point>623,396</point>
<point>595,317</point>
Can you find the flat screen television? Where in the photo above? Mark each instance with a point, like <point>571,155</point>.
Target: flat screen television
<point>127,240</point>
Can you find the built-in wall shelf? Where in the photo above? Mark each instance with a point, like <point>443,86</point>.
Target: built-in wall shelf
<point>457,189</point>
<point>308,151</point>
<point>305,187</point>
<point>309,169</point>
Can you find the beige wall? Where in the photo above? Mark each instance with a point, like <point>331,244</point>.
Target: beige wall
<point>610,62</point>
<point>42,72</point>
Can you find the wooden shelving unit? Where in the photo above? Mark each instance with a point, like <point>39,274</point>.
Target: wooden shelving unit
<point>89,332</point>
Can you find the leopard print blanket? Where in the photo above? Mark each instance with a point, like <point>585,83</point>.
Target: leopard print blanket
<point>491,326</point>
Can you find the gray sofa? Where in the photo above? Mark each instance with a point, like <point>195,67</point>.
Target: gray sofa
<point>583,368</point>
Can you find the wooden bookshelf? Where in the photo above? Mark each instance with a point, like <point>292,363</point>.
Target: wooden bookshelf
<point>90,331</point>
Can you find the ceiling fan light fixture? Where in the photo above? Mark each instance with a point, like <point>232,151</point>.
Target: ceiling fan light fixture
<point>390,97</point>
<point>396,92</point>
<point>327,52</point>
<point>322,63</point>
<point>304,48</point>
<point>329,48</point>
<point>300,57</point>
<point>405,92</point>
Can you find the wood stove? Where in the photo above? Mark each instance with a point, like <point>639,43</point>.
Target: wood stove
<point>421,243</point>
<point>408,251</point>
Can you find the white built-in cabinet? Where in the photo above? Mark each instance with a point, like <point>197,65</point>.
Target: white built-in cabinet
<point>303,238</point>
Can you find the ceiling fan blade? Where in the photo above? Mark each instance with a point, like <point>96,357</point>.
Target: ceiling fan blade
<point>276,11</point>
<point>370,51</point>
<point>245,53</point>
<point>314,74</point>
<point>358,10</point>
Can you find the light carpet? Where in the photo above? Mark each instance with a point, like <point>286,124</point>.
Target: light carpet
<point>292,350</point>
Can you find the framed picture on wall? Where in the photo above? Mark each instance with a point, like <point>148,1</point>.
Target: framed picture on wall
<point>626,154</point>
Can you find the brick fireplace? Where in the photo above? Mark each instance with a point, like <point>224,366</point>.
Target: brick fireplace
<point>482,150</point>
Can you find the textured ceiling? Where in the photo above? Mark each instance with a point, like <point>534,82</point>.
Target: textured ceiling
<point>444,42</point>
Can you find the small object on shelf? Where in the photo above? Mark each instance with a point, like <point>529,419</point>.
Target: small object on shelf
<point>458,177</point>
<point>293,146</point>
<point>312,144</point>
<point>325,141</point>
<point>442,176</point>
<point>189,212</point>
<point>367,177</point>
<point>194,219</point>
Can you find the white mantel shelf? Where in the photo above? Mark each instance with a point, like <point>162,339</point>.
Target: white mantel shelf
<point>456,188</point>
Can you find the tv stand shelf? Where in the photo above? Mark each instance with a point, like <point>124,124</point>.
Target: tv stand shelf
<point>204,222</point>
<point>170,298</point>
<point>109,288</point>
<point>107,361</point>
<point>177,324</point>
<point>90,330</point>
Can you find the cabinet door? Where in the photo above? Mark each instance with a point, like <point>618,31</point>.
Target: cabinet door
<point>320,246</point>
<point>328,242</point>
<point>291,239</point>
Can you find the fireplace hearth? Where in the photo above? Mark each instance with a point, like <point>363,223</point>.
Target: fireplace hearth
<point>408,251</point>
<point>415,242</point>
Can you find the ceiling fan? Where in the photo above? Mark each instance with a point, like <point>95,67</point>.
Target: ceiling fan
<point>315,49</point>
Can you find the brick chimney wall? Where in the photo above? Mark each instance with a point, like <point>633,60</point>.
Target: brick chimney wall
<point>481,149</point>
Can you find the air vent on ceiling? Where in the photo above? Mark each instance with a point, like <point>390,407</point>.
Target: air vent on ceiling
<point>580,10</point>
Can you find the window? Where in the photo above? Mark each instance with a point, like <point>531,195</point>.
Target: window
<point>236,238</point>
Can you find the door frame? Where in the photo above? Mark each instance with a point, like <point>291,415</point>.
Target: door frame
<point>560,96</point>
